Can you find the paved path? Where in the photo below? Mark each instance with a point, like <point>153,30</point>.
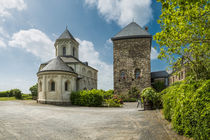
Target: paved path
<point>26,120</point>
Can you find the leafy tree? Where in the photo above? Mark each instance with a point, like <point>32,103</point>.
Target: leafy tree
<point>34,90</point>
<point>185,33</point>
<point>17,93</point>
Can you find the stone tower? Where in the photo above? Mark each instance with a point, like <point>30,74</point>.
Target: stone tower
<point>132,47</point>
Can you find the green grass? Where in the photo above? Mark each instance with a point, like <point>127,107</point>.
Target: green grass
<point>7,98</point>
<point>24,96</point>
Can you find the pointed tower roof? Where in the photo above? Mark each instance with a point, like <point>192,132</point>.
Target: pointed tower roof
<point>57,64</point>
<point>66,35</point>
<point>132,30</point>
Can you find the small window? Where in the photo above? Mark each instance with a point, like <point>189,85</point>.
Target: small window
<point>52,86</point>
<point>122,74</point>
<point>64,51</point>
<point>66,86</point>
<point>137,73</point>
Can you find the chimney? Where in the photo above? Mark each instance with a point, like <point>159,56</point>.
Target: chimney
<point>146,28</point>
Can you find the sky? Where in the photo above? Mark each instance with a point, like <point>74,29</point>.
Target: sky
<point>29,28</point>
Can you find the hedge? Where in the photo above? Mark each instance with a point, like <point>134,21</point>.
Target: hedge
<point>95,98</point>
<point>187,105</point>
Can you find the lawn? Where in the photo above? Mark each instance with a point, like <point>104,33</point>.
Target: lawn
<point>25,97</point>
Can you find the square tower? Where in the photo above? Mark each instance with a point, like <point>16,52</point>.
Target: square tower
<point>132,48</point>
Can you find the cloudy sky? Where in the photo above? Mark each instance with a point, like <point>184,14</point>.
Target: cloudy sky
<point>28,29</point>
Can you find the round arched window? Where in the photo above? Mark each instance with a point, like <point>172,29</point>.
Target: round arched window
<point>122,74</point>
<point>137,73</point>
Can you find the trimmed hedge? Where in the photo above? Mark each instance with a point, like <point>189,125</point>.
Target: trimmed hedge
<point>95,98</point>
<point>187,105</point>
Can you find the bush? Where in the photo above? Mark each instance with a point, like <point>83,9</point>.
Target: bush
<point>150,95</point>
<point>113,103</point>
<point>17,93</point>
<point>159,86</point>
<point>87,97</point>
<point>187,105</point>
<point>34,91</point>
<point>95,98</point>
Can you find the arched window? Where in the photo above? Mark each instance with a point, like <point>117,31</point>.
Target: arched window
<point>122,74</point>
<point>64,51</point>
<point>137,73</point>
<point>40,86</point>
<point>73,51</point>
<point>67,86</point>
<point>52,86</point>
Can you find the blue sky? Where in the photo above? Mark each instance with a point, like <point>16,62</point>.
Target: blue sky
<point>28,29</point>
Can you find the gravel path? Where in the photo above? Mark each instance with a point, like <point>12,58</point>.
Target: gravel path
<point>27,120</point>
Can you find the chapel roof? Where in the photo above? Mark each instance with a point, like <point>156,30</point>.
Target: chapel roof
<point>132,30</point>
<point>57,64</point>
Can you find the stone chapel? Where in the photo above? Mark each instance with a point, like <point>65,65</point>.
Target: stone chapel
<point>132,48</point>
<point>58,77</point>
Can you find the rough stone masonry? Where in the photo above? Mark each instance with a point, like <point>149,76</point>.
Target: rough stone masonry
<point>132,47</point>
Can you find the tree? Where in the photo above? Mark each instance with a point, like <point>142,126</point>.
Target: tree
<point>185,34</point>
<point>34,91</point>
<point>17,93</point>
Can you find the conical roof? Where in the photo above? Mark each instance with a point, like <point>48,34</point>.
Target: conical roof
<point>132,30</point>
<point>66,35</point>
<point>57,64</point>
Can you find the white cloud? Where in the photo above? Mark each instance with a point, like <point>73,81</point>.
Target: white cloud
<point>2,43</point>
<point>123,11</point>
<point>88,53</point>
<point>154,54</point>
<point>35,42</point>
<point>7,5</point>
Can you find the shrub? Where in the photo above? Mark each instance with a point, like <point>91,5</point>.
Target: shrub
<point>17,93</point>
<point>187,105</point>
<point>113,102</point>
<point>159,86</point>
<point>87,98</point>
<point>150,95</point>
<point>95,98</point>
<point>34,91</point>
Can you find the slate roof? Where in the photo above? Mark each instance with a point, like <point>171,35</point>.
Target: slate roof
<point>132,30</point>
<point>159,74</point>
<point>66,35</point>
<point>57,64</point>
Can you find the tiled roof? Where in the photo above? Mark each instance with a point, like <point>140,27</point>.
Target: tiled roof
<point>57,64</point>
<point>132,30</point>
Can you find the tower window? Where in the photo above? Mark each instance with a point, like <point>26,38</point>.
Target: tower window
<point>137,73</point>
<point>64,51</point>
<point>122,74</point>
<point>73,51</point>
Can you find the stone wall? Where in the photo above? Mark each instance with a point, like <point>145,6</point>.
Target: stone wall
<point>129,55</point>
